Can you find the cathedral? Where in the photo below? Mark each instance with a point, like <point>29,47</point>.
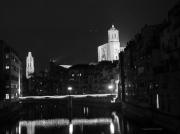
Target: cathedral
<point>110,51</point>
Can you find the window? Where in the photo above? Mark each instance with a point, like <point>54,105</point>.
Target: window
<point>7,67</point>
<point>7,96</point>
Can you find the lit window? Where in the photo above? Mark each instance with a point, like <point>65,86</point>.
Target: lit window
<point>7,96</point>
<point>7,67</point>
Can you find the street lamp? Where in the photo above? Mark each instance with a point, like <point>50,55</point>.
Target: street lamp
<point>70,102</point>
<point>69,88</point>
<point>111,86</point>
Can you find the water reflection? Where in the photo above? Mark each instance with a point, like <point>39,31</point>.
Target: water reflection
<point>112,128</point>
<point>54,118</point>
<point>116,122</point>
<point>70,128</point>
<point>30,126</point>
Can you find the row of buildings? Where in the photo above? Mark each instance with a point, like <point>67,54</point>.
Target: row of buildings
<point>87,78</point>
<point>150,71</point>
<point>83,78</point>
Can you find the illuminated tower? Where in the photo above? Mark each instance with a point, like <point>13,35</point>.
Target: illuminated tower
<point>110,51</point>
<point>113,34</point>
<point>29,65</point>
<point>113,44</point>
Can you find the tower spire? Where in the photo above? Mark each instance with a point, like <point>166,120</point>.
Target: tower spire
<point>29,65</point>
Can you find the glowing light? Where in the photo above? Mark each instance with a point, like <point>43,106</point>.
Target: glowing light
<point>157,101</point>
<point>65,122</point>
<point>45,123</point>
<point>116,122</point>
<point>114,100</point>
<point>86,110</point>
<point>110,86</point>
<point>7,67</point>
<point>7,96</point>
<point>65,96</point>
<point>69,88</point>
<point>30,125</point>
<point>112,128</point>
<point>66,66</point>
<point>19,128</point>
<point>70,128</point>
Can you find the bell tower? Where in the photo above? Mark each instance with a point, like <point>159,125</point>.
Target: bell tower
<point>29,65</point>
<point>113,34</point>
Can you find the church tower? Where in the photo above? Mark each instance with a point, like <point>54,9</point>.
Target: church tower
<point>29,65</point>
<point>113,44</point>
<point>110,51</point>
<point>113,34</point>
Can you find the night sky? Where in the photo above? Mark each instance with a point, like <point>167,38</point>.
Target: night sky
<point>71,31</point>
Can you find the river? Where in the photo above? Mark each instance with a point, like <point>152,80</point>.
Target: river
<point>57,117</point>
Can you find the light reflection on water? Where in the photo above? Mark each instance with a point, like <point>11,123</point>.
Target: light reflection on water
<point>31,125</point>
<point>58,118</point>
<point>85,120</point>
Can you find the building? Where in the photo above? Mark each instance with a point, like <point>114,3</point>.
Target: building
<point>151,70</point>
<point>29,65</point>
<point>110,51</point>
<point>94,79</point>
<point>57,78</point>
<point>10,73</point>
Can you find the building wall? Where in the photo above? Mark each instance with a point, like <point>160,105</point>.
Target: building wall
<point>103,52</point>
<point>114,50</point>
<point>12,73</point>
<point>93,78</point>
<point>2,66</point>
<point>152,70</point>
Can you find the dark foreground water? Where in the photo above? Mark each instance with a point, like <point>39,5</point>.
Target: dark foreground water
<point>76,118</point>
